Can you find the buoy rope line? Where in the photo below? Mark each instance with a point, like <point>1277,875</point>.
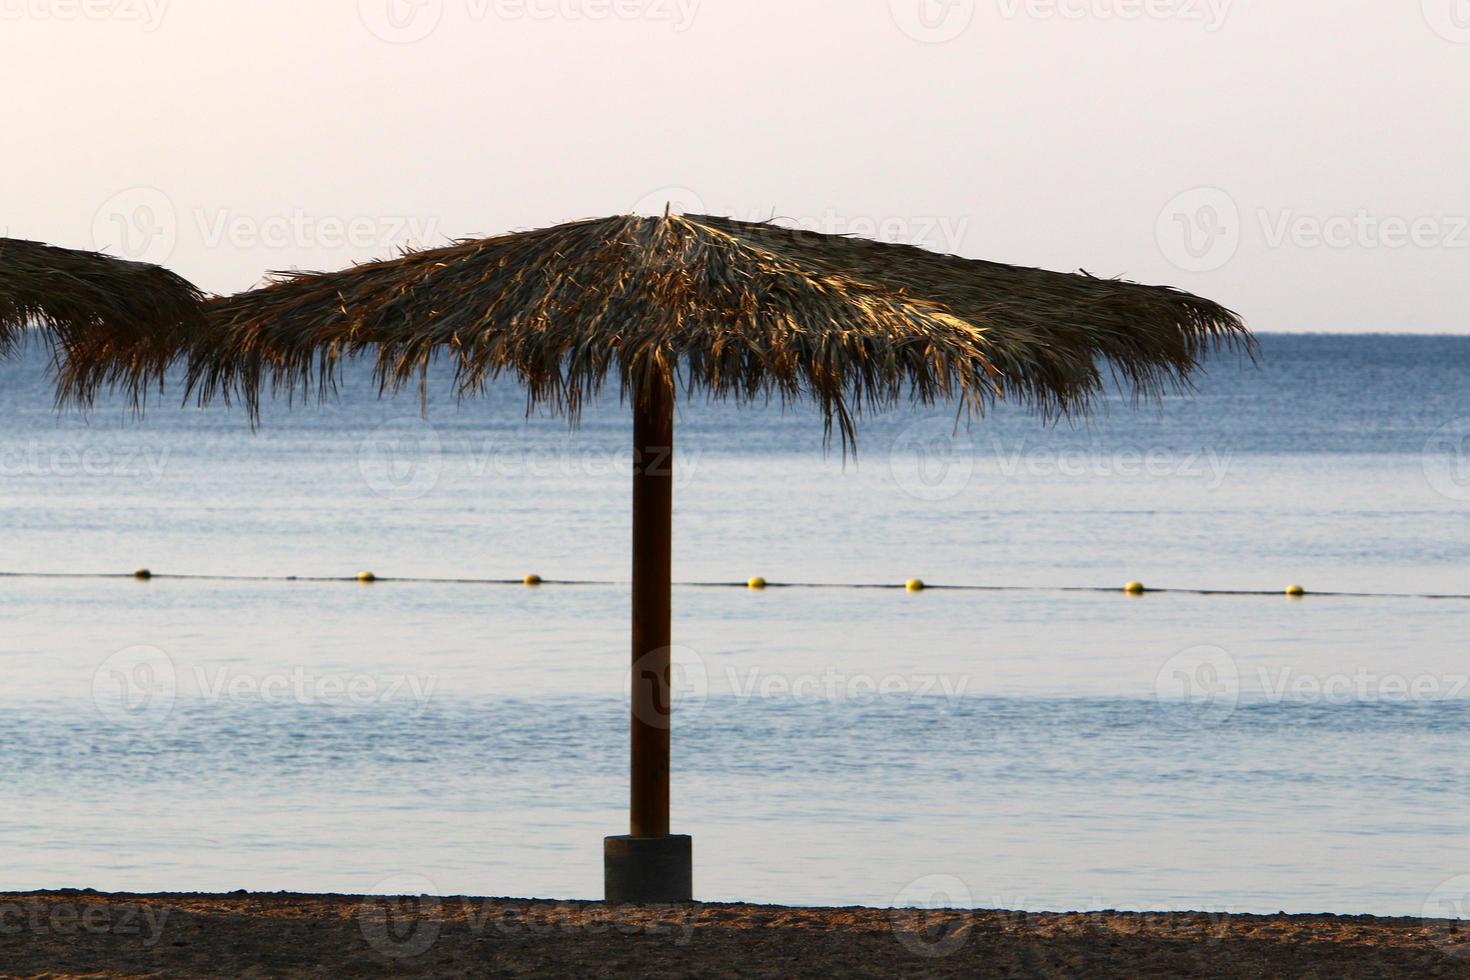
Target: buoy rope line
<point>757,584</point>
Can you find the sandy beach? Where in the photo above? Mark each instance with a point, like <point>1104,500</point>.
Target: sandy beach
<point>90,934</point>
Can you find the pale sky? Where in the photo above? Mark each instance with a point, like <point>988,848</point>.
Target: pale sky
<point>1303,161</point>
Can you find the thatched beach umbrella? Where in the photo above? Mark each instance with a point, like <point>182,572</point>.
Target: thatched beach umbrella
<point>681,306</point>
<point>107,319</point>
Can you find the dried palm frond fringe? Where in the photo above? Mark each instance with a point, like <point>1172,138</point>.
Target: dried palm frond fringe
<point>110,321</point>
<point>728,308</point>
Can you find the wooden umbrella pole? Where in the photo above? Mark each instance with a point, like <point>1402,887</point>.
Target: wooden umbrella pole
<point>653,505</point>
<point>650,865</point>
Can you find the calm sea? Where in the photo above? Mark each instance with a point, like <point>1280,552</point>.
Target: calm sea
<point>1028,749</point>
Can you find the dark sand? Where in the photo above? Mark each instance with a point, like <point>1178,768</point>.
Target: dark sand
<point>87,934</point>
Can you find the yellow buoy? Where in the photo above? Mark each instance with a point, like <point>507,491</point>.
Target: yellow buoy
<point>757,583</point>
<point>532,580</point>
<point>142,574</point>
<point>1134,588</point>
<point>1295,591</point>
<point>366,577</point>
<point>915,585</point>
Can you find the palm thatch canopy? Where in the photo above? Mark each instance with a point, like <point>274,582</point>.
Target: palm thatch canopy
<point>727,308</point>
<point>108,319</point>
<point>738,310</point>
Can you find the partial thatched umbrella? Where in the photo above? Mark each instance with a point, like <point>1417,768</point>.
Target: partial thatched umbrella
<point>714,306</point>
<point>108,319</point>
